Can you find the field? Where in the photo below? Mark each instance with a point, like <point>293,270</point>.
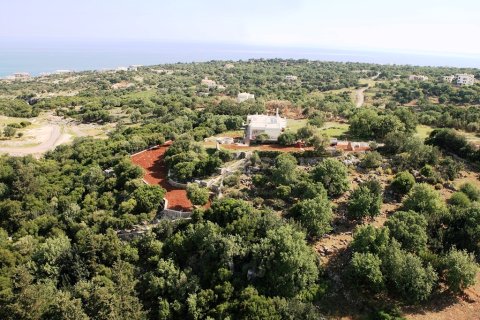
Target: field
<point>470,136</point>
<point>423,131</point>
<point>332,129</point>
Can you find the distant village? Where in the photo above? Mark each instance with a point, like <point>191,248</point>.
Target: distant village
<point>461,79</point>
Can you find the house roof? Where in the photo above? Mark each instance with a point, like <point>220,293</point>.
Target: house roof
<point>265,121</point>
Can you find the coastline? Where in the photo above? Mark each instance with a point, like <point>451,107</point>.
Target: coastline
<point>37,58</point>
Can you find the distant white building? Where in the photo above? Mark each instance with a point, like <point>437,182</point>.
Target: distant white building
<point>415,77</point>
<point>244,97</point>
<point>229,66</point>
<point>448,79</point>
<point>209,83</point>
<point>291,78</point>
<point>62,71</point>
<point>464,79</point>
<point>273,126</point>
<point>134,67</point>
<point>21,75</point>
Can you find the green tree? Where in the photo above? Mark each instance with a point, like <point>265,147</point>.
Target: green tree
<point>365,271</point>
<point>422,198</point>
<point>371,160</point>
<point>305,133</point>
<point>363,123</point>
<point>65,307</point>
<point>317,119</point>
<point>461,270</point>
<point>287,139</point>
<point>306,189</point>
<point>9,131</point>
<point>370,239</point>
<point>285,170</point>
<point>402,182</point>
<point>410,229</point>
<point>48,255</point>
<point>365,201</point>
<point>197,195</point>
<point>262,138</point>
<point>459,199</point>
<point>333,175</point>
<point>148,198</point>
<point>225,211</point>
<point>256,307</point>
<point>284,263</point>
<point>471,191</point>
<point>315,215</point>
<point>407,275</point>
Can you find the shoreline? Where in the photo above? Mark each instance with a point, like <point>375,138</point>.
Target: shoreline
<point>36,60</point>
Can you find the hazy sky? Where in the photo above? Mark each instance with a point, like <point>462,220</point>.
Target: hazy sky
<point>410,25</point>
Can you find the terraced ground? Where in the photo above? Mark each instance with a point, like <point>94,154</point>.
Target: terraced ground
<point>156,173</point>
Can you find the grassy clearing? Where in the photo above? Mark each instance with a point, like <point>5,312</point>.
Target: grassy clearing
<point>332,129</point>
<point>293,125</point>
<point>142,94</point>
<point>231,133</point>
<point>423,131</point>
<point>471,136</point>
<point>4,120</point>
<point>370,82</point>
<point>335,129</point>
<point>470,179</point>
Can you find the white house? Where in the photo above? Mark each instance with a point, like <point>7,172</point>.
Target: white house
<point>244,97</point>
<point>291,78</point>
<point>21,75</point>
<point>209,83</point>
<point>448,79</point>
<point>415,77</point>
<point>258,124</point>
<point>61,71</point>
<point>134,67</point>
<point>464,79</point>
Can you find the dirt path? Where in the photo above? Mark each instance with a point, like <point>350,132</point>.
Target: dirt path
<point>360,96</point>
<point>54,136</point>
<point>360,93</point>
<point>46,132</point>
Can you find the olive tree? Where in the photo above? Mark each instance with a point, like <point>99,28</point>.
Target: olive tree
<point>315,215</point>
<point>197,195</point>
<point>461,270</point>
<point>333,175</point>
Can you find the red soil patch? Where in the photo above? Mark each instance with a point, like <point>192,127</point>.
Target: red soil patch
<point>156,173</point>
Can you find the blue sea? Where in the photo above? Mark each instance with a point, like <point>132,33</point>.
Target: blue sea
<point>37,57</point>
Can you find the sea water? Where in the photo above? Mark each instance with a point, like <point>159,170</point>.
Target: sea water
<point>38,57</point>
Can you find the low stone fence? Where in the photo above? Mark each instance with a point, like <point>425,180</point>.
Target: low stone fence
<point>173,214</point>
<point>176,184</point>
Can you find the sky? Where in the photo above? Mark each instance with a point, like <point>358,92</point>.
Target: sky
<point>435,26</point>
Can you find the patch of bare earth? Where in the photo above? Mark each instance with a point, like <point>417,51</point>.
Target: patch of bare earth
<point>444,306</point>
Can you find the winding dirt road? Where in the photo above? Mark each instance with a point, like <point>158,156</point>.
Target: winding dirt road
<point>55,137</point>
<point>360,93</point>
<point>360,96</point>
